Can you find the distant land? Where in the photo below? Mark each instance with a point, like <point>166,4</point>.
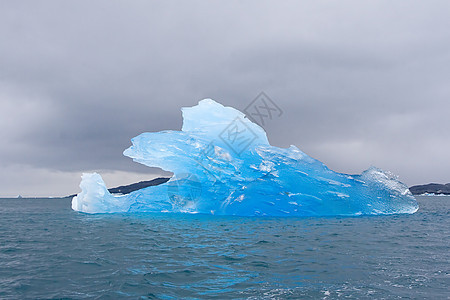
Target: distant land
<point>431,188</point>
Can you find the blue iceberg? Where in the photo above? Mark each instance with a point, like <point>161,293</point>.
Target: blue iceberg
<point>223,164</point>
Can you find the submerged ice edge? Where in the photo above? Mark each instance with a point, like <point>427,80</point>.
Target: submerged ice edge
<point>223,164</point>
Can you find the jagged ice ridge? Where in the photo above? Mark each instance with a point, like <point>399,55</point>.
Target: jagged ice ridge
<point>223,164</point>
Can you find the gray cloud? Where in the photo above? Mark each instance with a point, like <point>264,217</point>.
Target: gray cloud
<point>360,84</point>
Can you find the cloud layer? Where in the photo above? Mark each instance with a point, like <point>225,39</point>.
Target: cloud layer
<point>360,83</point>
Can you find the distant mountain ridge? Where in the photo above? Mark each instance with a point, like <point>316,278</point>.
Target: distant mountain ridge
<point>126,189</point>
<point>431,188</point>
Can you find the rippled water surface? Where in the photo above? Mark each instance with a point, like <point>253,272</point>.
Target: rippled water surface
<point>49,251</point>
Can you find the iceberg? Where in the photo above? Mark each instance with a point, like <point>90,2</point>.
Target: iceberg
<point>223,164</point>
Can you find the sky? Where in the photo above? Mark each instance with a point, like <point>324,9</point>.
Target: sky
<point>359,83</point>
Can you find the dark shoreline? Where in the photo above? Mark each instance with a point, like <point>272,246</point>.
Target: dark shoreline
<point>431,188</point>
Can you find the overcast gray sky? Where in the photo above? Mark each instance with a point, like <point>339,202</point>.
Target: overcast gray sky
<point>360,83</point>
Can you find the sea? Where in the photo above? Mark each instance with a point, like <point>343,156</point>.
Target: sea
<point>49,251</point>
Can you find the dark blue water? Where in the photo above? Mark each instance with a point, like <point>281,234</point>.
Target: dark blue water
<point>49,251</point>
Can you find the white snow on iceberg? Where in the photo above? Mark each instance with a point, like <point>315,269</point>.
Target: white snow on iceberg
<point>223,164</point>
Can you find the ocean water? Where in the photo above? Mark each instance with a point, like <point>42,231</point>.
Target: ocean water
<point>49,251</point>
